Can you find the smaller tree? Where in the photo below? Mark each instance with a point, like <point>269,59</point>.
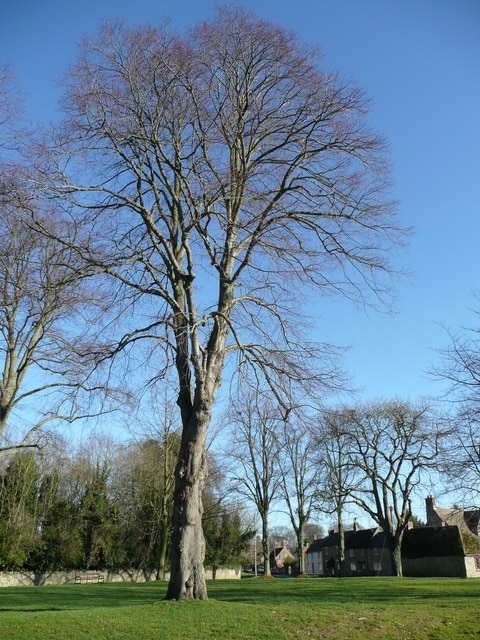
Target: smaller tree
<point>254,450</point>
<point>460,369</point>
<point>299,477</point>
<point>337,477</point>
<point>227,538</point>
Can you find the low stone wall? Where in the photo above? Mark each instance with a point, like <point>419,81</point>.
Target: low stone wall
<point>33,578</point>
<point>472,564</point>
<point>225,573</point>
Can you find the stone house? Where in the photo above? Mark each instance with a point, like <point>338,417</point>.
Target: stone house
<point>451,544</point>
<point>366,553</point>
<point>448,546</point>
<point>282,560</point>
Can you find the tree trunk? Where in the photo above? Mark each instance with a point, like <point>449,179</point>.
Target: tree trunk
<point>396,543</point>
<point>341,545</point>
<point>265,547</point>
<point>162,555</point>
<point>300,550</point>
<point>187,576</point>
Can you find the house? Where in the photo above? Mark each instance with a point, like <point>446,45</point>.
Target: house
<point>433,551</point>
<point>366,553</point>
<point>455,539</point>
<point>448,546</point>
<point>282,560</point>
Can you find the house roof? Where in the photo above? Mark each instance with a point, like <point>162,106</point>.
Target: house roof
<point>428,542</point>
<point>354,539</point>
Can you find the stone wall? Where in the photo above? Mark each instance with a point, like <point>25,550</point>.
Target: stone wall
<point>28,579</point>
<point>472,564</point>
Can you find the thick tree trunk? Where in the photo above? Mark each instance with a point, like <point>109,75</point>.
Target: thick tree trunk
<point>187,576</point>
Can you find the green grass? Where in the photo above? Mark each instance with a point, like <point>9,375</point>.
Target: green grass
<point>288,609</point>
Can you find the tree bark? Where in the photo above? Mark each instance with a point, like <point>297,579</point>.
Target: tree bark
<point>187,576</point>
<point>341,546</point>
<point>396,542</point>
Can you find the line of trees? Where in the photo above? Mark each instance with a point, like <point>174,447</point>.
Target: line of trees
<point>110,505</point>
<point>376,457</point>
<point>106,505</point>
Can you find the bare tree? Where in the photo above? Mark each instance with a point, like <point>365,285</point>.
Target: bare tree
<point>220,177</point>
<point>152,465</point>
<point>299,476</point>
<point>390,444</point>
<point>46,371</point>
<point>337,477</point>
<point>255,451</point>
<point>460,369</point>
<point>43,346</point>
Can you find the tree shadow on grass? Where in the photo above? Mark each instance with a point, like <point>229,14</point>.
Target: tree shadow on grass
<point>68,597</point>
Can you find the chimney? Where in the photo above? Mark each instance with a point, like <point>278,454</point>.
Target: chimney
<point>433,520</point>
<point>356,526</point>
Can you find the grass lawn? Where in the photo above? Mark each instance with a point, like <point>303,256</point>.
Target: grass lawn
<point>254,608</point>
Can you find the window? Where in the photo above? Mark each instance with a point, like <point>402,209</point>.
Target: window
<point>352,553</point>
<point>477,563</point>
<point>353,567</point>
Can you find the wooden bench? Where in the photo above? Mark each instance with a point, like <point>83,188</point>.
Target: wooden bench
<point>89,576</point>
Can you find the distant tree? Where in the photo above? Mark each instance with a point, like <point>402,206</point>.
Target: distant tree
<point>254,450</point>
<point>313,532</point>
<point>416,521</point>
<point>460,369</point>
<point>299,476</point>
<point>226,535</point>
<point>283,534</point>
<point>146,480</point>
<point>337,477</point>
<point>391,444</point>
<point>19,510</point>
<point>99,517</point>
<point>220,178</point>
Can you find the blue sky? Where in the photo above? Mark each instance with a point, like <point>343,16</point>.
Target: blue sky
<point>419,61</point>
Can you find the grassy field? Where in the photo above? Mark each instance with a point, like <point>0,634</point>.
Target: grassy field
<point>277,609</point>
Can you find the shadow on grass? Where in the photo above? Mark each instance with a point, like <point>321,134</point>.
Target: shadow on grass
<point>348,591</point>
<point>65,597</point>
<point>309,591</point>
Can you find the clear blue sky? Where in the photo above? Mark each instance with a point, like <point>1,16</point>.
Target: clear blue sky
<point>419,61</point>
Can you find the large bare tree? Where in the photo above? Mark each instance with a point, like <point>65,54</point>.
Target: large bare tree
<point>221,177</point>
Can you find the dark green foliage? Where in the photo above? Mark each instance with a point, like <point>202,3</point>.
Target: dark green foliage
<point>226,539</point>
<point>19,510</point>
